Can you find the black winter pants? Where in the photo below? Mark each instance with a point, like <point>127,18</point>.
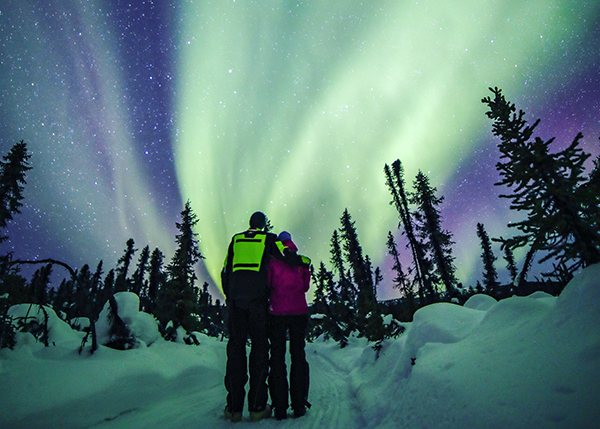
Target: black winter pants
<point>243,323</point>
<point>299,373</point>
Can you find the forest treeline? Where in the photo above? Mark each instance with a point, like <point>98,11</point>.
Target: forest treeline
<point>558,204</point>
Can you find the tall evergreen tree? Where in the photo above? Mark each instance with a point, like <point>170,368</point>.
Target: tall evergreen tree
<point>343,301</point>
<point>490,275</point>
<point>438,243</point>
<point>549,187</point>
<point>95,288</point>
<point>346,289</point>
<point>38,286</point>
<point>83,285</point>
<point>179,297</point>
<point>108,289</point>
<point>137,284</point>
<point>353,254</point>
<point>400,280</point>
<point>396,185</point>
<point>320,280</point>
<point>369,317</point>
<point>510,264</point>
<point>12,180</point>
<point>121,280</point>
<point>156,279</point>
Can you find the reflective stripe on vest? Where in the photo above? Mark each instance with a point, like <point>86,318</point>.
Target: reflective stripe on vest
<point>248,251</point>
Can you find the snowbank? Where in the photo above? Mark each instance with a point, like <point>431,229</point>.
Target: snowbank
<point>523,362</point>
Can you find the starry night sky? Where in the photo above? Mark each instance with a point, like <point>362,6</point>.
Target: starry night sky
<point>130,108</point>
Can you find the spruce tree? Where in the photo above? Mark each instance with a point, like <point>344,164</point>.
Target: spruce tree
<point>95,288</point>
<point>343,301</point>
<point>437,242</point>
<point>108,289</point>
<point>400,198</point>
<point>511,265</point>
<point>400,280</point>
<point>82,289</point>
<point>12,180</point>
<point>320,280</point>
<point>121,280</point>
<point>490,275</point>
<point>549,187</point>
<point>179,297</point>
<point>137,284</point>
<point>38,286</point>
<point>369,317</point>
<point>346,293</point>
<point>156,279</point>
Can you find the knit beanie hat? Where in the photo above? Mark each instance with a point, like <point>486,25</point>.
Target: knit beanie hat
<point>284,236</point>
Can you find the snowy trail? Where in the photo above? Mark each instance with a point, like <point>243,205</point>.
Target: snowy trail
<point>334,403</point>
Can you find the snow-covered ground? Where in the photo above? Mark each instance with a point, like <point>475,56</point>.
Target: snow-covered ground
<point>530,362</point>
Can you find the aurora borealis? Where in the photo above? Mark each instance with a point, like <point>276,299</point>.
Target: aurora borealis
<point>293,108</point>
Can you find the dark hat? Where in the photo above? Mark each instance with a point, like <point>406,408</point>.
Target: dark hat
<point>284,236</point>
<point>258,220</point>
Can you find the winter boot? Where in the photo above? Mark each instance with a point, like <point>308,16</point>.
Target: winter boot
<point>280,413</point>
<point>299,411</point>
<point>256,416</point>
<point>233,416</point>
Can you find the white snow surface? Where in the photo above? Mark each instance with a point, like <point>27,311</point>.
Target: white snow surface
<point>523,362</point>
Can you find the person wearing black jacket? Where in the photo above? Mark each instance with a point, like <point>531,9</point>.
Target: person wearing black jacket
<point>244,282</point>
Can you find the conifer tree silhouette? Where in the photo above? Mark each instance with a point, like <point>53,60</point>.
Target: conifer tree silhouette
<point>121,280</point>
<point>369,317</point>
<point>400,280</point>
<point>511,265</point>
<point>156,280</point>
<point>179,302</point>
<point>549,187</point>
<point>38,286</point>
<point>400,198</point>
<point>137,284</point>
<point>437,242</point>
<point>13,167</point>
<point>490,275</point>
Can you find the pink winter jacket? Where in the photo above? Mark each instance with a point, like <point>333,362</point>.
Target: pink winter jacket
<point>288,284</point>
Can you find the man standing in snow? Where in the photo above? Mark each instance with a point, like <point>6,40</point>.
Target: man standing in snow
<point>244,282</point>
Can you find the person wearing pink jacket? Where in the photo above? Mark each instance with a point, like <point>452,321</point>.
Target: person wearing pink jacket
<point>288,313</point>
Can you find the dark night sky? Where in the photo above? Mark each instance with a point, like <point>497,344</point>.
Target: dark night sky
<point>131,108</point>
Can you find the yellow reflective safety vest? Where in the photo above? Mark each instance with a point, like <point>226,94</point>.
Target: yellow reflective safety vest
<point>248,251</point>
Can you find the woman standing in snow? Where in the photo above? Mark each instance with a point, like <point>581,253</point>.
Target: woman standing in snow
<point>288,312</point>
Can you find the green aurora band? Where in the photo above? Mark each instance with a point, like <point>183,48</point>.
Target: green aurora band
<point>293,108</point>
